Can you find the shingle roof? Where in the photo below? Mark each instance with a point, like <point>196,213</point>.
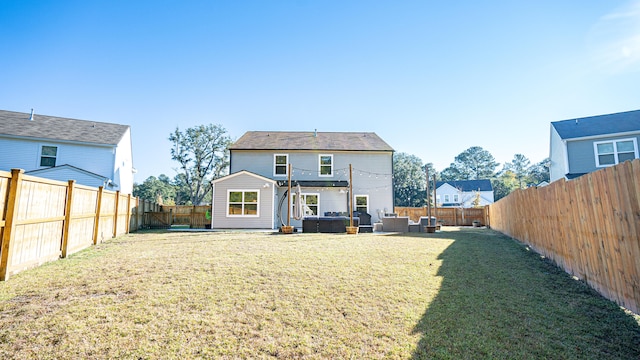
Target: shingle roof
<point>17,124</point>
<point>468,185</point>
<point>325,141</point>
<point>598,125</point>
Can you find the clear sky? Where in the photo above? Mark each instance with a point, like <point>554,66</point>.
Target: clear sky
<point>432,78</point>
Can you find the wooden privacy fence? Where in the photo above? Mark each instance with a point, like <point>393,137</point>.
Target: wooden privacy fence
<point>447,216</point>
<point>182,215</point>
<point>43,220</point>
<point>588,226</point>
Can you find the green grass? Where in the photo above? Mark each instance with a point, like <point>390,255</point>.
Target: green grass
<point>464,294</point>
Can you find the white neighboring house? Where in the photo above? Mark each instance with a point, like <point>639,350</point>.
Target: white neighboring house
<point>89,152</point>
<point>580,146</point>
<point>463,193</point>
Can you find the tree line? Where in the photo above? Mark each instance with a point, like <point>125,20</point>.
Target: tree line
<point>475,163</point>
<point>202,154</point>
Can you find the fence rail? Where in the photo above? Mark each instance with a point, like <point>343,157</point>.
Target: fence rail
<point>43,220</point>
<point>193,216</point>
<point>588,226</point>
<point>447,216</point>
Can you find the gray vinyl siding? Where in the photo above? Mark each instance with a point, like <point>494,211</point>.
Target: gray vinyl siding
<point>65,174</point>
<point>581,156</point>
<point>372,175</point>
<point>581,153</point>
<point>25,154</point>
<point>261,163</point>
<point>220,220</point>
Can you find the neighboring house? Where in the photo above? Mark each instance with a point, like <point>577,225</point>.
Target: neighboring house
<point>464,193</point>
<point>89,152</point>
<point>580,146</point>
<point>254,195</point>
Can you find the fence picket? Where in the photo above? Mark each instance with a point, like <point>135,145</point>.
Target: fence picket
<point>47,219</point>
<point>588,226</point>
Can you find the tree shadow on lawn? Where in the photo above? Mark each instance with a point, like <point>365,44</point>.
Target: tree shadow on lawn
<point>498,299</point>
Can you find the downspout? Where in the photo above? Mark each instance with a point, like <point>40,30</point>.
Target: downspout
<point>393,189</point>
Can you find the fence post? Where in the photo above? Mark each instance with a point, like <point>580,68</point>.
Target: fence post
<point>128,222</point>
<point>67,219</point>
<point>13,198</point>
<point>115,216</point>
<point>96,224</point>
<point>137,222</point>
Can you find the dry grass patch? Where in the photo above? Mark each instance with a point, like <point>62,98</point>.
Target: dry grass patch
<point>459,294</point>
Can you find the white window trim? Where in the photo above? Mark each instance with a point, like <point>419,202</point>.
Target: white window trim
<point>305,199</point>
<point>286,170</point>
<point>456,198</point>
<point>355,203</point>
<point>320,165</point>
<point>446,199</point>
<point>39,159</point>
<point>229,191</point>
<point>615,150</point>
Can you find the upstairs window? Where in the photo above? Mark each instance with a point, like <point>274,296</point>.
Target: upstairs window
<point>446,198</point>
<point>280,164</point>
<point>456,198</point>
<point>48,156</point>
<point>614,152</point>
<point>326,165</point>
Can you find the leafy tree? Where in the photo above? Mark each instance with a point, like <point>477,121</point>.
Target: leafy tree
<point>504,184</point>
<point>183,194</point>
<point>158,189</point>
<point>520,168</point>
<point>539,172</point>
<point>409,180</point>
<point>202,152</point>
<point>475,163</point>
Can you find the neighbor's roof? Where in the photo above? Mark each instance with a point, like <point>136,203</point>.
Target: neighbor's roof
<point>468,185</point>
<point>63,167</point>
<point>16,124</point>
<point>598,125</point>
<point>310,140</point>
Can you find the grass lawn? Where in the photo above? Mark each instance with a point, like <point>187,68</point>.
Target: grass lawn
<point>457,294</point>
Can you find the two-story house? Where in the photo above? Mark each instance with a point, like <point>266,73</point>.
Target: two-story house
<point>580,146</point>
<point>255,193</point>
<point>91,153</point>
<point>464,193</point>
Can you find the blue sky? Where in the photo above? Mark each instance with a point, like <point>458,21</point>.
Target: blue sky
<point>432,78</point>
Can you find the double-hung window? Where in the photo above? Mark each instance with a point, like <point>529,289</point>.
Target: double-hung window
<point>362,203</point>
<point>615,152</point>
<point>48,155</point>
<point>446,199</point>
<point>326,165</point>
<point>280,164</point>
<point>456,198</point>
<point>243,203</point>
